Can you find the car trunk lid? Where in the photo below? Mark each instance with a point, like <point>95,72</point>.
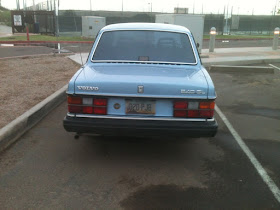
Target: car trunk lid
<point>142,80</point>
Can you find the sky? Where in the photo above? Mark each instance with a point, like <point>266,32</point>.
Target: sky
<point>207,6</point>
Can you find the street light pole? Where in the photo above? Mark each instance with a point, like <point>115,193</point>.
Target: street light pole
<point>56,18</point>
<point>151,6</point>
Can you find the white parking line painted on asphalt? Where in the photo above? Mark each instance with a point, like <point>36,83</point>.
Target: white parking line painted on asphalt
<point>275,67</point>
<point>266,178</point>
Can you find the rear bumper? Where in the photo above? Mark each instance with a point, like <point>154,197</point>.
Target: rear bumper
<point>136,127</point>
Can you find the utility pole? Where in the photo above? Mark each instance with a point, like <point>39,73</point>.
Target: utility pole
<point>193,6</point>
<point>24,4</point>
<point>56,18</point>
<point>151,6</point>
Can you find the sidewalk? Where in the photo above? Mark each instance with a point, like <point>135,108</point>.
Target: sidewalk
<point>225,56</point>
<point>5,31</point>
<point>240,56</point>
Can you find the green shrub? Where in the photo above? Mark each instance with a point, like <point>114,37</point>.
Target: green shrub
<point>5,17</point>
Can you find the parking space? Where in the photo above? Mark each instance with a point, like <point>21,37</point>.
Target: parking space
<point>251,103</point>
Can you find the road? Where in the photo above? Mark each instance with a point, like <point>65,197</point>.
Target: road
<point>47,168</point>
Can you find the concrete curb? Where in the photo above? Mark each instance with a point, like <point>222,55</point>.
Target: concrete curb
<point>234,62</point>
<point>241,69</point>
<point>37,55</point>
<point>11,132</point>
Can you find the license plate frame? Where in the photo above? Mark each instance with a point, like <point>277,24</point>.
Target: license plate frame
<point>140,107</point>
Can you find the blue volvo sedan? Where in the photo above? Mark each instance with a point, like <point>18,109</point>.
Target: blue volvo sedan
<point>142,79</point>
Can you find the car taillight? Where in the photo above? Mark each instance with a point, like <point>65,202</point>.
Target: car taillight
<point>75,109</point>
<point>87,105</point>
<point>74,100</point>
<point>100,110</point>
<point>87,109</point>
<point>74,104</point>
<point>100,106</point>
<point>194,109</point>
<point>207,105</point>
<point>206,113</point>
<point>180,105</point>
<point>180,108</point>
<point>100,102</point>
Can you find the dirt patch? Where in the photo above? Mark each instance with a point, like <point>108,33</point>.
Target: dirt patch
<point>26,82</point>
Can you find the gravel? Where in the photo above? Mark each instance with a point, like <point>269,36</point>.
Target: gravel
<point>24,82</point>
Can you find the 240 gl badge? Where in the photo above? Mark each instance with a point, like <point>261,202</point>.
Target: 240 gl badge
<point>199,92</point>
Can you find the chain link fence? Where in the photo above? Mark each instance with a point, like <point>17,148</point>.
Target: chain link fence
<point>254,24</point>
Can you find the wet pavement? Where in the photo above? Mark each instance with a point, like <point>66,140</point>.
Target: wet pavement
<point>48,168</point>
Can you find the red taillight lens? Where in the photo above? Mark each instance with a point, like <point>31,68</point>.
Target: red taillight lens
<point>87,109</point>
<point>180,105</point>
<point>180,113</point>
<point>100,102</point>
<point>207,105</point>
<point>193,113</point>
<point>194,109</point>
<point>206,113</point>
<point>75,109</point>
<point>74,100</point>
<point>100,110</point>
<point>100,106</point>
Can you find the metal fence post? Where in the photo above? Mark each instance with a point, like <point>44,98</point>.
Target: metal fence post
<point>275,38</point>
<point>212,39</point>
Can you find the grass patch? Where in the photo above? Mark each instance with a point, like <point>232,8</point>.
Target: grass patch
<point>44,38</point>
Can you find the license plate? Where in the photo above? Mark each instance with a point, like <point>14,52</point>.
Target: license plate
<point>140,107</point>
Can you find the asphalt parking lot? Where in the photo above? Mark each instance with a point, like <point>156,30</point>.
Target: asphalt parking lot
<point>48,168</point>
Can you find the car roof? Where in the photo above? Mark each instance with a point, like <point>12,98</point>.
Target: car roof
<point>146,26</point>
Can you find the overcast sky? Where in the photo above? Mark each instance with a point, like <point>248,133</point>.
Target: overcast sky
<point>208,6</point>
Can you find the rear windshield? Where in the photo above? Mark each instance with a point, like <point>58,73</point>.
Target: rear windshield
<point>144,46</point>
